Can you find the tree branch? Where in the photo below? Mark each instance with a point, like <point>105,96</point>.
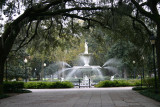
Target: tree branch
<point>153,6</point>
<point>61,27</point>
<point>141,22</point>
<point>144,4</point>
<point>51,23</point>
<point>58,12</point>
<point>45,8</point>
<point>142,10</point>
<point>26,36</point>
<point>85,19</point>
<point>32,37</point>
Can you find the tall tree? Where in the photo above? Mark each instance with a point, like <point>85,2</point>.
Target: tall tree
<point>149,10</point>
<point>60,11</point>
<point>144,12</point>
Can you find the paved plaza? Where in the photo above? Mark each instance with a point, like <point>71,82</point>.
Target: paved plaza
<point>84,97</point>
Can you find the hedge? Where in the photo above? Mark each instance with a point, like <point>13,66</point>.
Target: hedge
<point>13,86</point>
<point>118,83</point>
<point>149,82</point>
<point>44,85</point>
<point>19,86</point>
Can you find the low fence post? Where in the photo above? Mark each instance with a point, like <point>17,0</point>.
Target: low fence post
<point>89,83</point>
<point>79,83</point>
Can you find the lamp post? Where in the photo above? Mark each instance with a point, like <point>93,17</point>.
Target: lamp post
<point>143,66</point>
<point>43,69</point>
<point>35,73</point>
<point>142,73</point>
<point>134,69</point>
<point>6,70</point>
<point>25,62</point>
<point>153,41</point>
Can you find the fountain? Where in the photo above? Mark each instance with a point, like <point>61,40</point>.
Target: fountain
<point>112,78</point>
<point>85,81</point>
<point>86,71</point>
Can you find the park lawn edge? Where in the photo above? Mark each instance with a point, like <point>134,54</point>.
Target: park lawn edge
<point>148,92</point>
<point>6,95</point>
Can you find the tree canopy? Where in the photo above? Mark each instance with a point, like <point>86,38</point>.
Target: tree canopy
<point>53,20</point>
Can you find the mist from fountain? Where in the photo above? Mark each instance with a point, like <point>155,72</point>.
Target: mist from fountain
<point>86,60</point>
<point>56,69</point>
<point>62,63</point>
<point>71,73</point>
<point>62,71</point>
<point>111,65</point>
<point>112,61</point>
<point>113,69</point>
<point>99,72</point>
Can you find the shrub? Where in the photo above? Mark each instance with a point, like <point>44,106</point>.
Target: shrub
<point>139,88</point>
<point>13,86</point>
<point>118,83</point>
<point>150,93</point>
<point>67,85</point>
<point>3,96</point>
<point>149,82</point>
<point>40,85</point>
<point>30,85</point>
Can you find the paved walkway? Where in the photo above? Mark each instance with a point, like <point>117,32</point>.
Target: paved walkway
<point>84,97</point>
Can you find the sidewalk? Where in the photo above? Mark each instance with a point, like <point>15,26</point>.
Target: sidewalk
<point>84,97</point>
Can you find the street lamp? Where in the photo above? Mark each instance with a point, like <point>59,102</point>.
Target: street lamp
<point>142,73</point>
<point>6,70</point>
<point>143,66</point>
<point>44,71</point>
<point>44,64</point>
<point>153,41</point>
<point>25,61</point>
<point>35,73</point>
<point>134,69</point>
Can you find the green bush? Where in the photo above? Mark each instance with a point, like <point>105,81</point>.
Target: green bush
<point>139,88</point>
<point>149,82</point>
<point>150,93</point>
<point>40,85</point>
<point>3,96</point>
<point>118,83</point>
<point>43,85</point>
<point>30,85</point>
<point>13,86</point>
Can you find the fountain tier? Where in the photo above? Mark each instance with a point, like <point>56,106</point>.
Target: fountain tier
<point>87,70</point>
<point>86,67</point>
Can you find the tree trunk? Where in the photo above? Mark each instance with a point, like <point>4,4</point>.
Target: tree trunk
<point>158,53</point>
<point>1,75</point>
<point>125,73</point>
<point>5,48</point>
<point>2,61</point>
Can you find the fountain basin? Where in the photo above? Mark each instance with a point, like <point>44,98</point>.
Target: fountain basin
<point>84,54</point>
<point>86,67</point>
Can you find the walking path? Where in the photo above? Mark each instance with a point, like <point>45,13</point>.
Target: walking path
<point>84,97</point>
